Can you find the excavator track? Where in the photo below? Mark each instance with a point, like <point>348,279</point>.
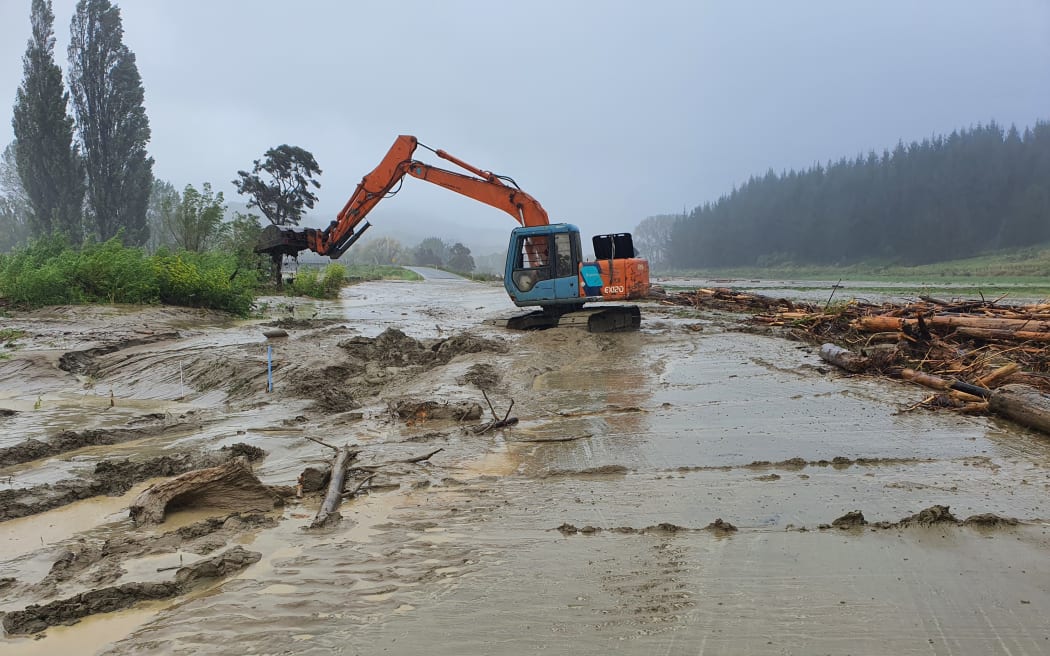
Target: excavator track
<point>604,319</point>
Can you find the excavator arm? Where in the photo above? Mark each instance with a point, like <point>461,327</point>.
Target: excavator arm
<point>348,226</point>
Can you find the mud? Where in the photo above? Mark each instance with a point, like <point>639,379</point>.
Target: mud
<point>33,449</point>
<point>633,443</point>
<point>37,618</point>
<point>370,364</point>
<point>482,376</point>
<point>415,410</point>
<point>851,519</point>
<point>935,515</point>
<point>108,477</point>
<point>719,526</point>
<point>85,362</point>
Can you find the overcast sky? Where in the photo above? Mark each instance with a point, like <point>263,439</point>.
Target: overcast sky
<point>605,111</point>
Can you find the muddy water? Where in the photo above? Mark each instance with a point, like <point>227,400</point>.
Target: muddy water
<point>619,433</point>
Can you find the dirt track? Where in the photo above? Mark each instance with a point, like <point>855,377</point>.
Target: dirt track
<point>592,525</point>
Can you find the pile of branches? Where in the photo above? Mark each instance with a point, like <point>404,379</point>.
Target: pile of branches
<point>983,343</point>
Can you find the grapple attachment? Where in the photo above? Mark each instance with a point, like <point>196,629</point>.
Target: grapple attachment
<point>279,240</point>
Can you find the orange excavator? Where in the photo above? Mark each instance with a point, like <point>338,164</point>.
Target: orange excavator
<point>545,266</point>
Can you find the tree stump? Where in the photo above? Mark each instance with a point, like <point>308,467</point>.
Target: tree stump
<point>230,487</point>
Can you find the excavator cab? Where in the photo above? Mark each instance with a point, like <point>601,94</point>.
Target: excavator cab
<point>542,265</point>
<point>545,268</point>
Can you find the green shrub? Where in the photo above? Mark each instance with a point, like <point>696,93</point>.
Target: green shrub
<point>49,272</point>
<point>203,280</point>
<point>111,273</point>
<point>324,284</point>
<point>333,279</point>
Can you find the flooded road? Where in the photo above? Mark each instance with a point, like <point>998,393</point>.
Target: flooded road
<point>670,491</point>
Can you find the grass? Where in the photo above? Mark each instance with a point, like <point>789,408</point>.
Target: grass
<point>315,281</point>
<point>367,272</point>
<point>1014,266</point>
<point>8,337</point>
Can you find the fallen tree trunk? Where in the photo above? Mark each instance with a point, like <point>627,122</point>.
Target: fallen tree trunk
<point>1015,335</point>
<point>957,388</point>
<point>924,379</point>
<point>882,323</point>
<point>329,513</point>
<point>843,358</point>
<point>1024,404</point>
<point>999,374</point>
<point>229,487</point>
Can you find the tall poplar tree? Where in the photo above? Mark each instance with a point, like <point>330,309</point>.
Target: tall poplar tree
<point>114,129</point>
<point>47,159</point>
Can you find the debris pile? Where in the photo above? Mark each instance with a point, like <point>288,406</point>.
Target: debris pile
<point>961,349</point>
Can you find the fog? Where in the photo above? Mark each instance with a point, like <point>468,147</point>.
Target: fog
<point>606,112</point>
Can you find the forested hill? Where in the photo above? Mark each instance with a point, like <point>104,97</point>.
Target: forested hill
<point>973,191</point>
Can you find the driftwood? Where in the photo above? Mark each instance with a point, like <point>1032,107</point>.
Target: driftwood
<point>1023,404</point>
<point>329,514</point>
<point>883,323</point>
<point>413,459</point>
<point>843,358</point>
<point>1001,334</point>
<point>496,421</point>
<point>956,347</point>
<point>998,375</point>
<point>353,493</point>
<point>229,487</point>
<point>957,389</point>
<point>924,379</point>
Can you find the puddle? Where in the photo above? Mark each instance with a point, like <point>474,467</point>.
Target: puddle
<point>27,534</point>
<point>89,636</point>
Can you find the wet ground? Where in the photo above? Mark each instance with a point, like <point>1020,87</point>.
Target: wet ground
<point>590,526</point>
<point>875,291</point>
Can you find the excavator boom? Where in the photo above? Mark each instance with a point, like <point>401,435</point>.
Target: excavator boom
<point>350,224</point>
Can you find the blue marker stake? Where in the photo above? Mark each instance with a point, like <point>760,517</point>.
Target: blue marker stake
<point>269,368</point>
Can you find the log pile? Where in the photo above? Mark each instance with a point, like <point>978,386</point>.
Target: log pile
<point>956,348</point>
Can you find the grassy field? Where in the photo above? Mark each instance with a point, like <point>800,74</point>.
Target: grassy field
<point>1023,265</point>
<point>1021,273</point>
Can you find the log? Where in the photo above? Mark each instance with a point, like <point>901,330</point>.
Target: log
<point>924,379</point>
<point>329,514</point>
<point>230,487</point>
<point>959,389</point>
<point>843,358</point>
<point>999,374</point>
<point>1024,404</point>
<point>1015,335</point>
<point>883,323</point>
